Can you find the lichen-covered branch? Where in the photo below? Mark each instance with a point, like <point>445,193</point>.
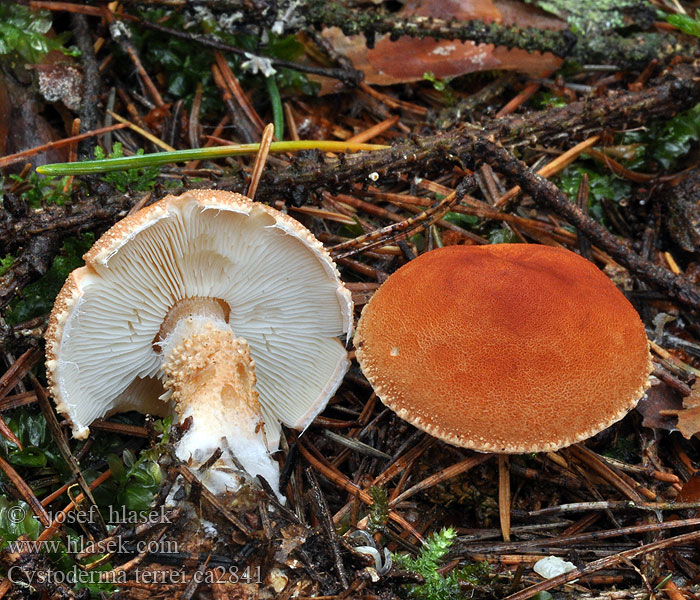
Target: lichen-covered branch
<point>68,219</point>
<point>374,23</point>
<point>596,42</point>
<point>607,47</point>
<point>633,52</point>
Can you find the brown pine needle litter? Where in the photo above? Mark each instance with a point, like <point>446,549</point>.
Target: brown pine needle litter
<point>380,166</point>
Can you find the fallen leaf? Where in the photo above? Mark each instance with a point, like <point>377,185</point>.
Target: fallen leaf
<point>690,492</point>
<point>659,397</point>
<point>689,415</point>
<point>293,536</point>
<point>408,59</point>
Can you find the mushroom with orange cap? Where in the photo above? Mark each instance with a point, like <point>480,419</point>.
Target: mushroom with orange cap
<point>508,348</point>
<point>225,307</point>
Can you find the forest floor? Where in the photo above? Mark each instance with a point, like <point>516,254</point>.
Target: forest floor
<point>575,128</point>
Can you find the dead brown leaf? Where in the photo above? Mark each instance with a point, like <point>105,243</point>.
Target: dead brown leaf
<point>655,406</point>
<point>690,492</point>
<point>689,415</point>
<point>408,59</point>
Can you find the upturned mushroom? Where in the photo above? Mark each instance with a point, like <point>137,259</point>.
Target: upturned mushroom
<point>507,348</point>
<point>210,305</point>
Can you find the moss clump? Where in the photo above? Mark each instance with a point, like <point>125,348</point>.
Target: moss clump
<point>427,564</point>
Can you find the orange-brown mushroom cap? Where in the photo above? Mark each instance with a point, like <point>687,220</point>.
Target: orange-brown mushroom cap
<point>505,348</point>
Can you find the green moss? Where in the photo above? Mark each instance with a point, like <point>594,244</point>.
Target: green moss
<point>6,263</point>
<point>547,99</point>
<point>379,511</point>
<point>462,220</point>
<point>38,190</point>
<point>503,235</point>
<point>12,526</point>
<point>441,85</point>
<point>39,456</point>
<point>134,180</point>
<point>663,144</point>
<point>23,33</point>
<point>673,139</point>
<point>625,449</point>
<point>430,559</point>
<point>601,185</point>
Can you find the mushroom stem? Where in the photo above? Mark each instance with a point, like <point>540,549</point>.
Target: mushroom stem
<point>504,495</point>
<point>210,377</point>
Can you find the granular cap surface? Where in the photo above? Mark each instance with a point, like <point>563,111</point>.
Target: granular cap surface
<point>505,348</point>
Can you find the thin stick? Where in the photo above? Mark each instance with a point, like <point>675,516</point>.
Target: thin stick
<point>64,449</point>
<point>504,495</point>
<point>396,231</point>
<point>341,480</point>
<point>375,130</point>
<point>26,493</point>
<point>8,434</point>
<point>93,11</point>
<point>620,170</point>
<point>456,469</point>
<point>120,428</point>
<point>149,136</point>
<point>11,159</point>
<point>392,102</point>
<point>596,464</point>
<point>523,96</point>
<point>327,523</point>
<point>237,91</point>
<point>616,505</point>
<point>131,51</point>
<point>539,544</point>
<point>260,160</point>
<point>603,563</point>
<point>9,380</point>
<point>291,122</point>
<point>558,164</point>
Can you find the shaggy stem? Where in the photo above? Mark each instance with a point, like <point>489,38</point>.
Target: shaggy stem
<point>210,377</point>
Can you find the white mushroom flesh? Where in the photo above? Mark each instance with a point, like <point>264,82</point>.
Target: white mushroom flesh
<point>209,373</point>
